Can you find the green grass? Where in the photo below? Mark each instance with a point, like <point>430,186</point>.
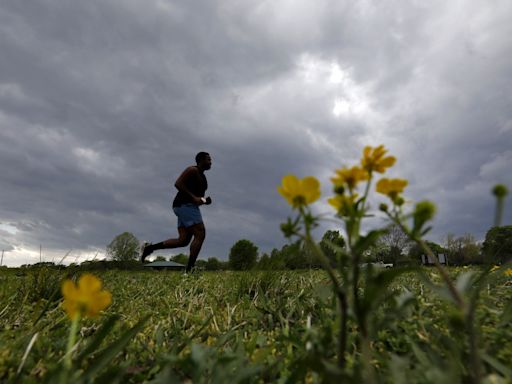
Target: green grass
<point>232,327</point>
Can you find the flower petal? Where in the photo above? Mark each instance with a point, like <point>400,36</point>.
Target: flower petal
<point>99,302</point>
<point>71,308</point>
<point>69,290</point>
<point>89,284</point>
<point>310,189</point>
<point>388,161</point>
<point>291,183</point>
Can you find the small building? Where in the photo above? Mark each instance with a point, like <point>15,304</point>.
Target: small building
<point>426,260</point>
<point>165,265</point>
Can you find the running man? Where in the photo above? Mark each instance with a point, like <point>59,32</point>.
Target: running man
<point>191,186</point>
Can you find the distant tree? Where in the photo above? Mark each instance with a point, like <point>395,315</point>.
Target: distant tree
<point>44,264</point>
<point>224,265</point>
<point>243,255</point>
<point>497,246</point>
<point>290,256</point>
<point>213,264</point>
<point>264,263</point>
<point>462,250</point>
<point>415,251</point>
<point>331,240</point>
<point>473,251</point>
<point>296,256</point>
<point>124,247</point>
<point>160,258</point>
<point>377,252</point>
<point>200,264</point>
<point>180,258</point>
<point>396,243</point>
<point>453,248</point>
<point>277,261</point>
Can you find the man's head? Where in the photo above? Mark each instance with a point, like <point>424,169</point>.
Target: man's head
<point>204,161</point>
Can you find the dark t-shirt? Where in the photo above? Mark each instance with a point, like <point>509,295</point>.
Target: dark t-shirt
<point>196,183</point>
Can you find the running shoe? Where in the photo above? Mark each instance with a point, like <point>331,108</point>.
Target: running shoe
<point>145,251</point>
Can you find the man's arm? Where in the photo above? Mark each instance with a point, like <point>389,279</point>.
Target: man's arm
<point>182,186</point>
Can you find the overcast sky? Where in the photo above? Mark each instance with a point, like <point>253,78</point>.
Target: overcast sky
<point>104,103</point>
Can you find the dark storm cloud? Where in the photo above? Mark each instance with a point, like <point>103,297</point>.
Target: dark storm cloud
<point>103,104</point>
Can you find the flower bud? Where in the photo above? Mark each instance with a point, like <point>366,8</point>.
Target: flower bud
<point>383,207</point>
<point>500,191</point>
<point>423,212</point>
<point>339,190</point>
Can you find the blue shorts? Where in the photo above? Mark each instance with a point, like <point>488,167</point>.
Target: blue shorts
<point>188,215</point>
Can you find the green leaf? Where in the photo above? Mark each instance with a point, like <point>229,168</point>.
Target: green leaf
<point>377,285</point>
<point>497,365</point>
<point>159,335</point>
<point>506,316</point>
<point>398,366</point>
<point>365,242</point>
<point>440,290</point>
<point>185,342</point>
<point>199,355</point>
<point>420,355</point>
<point>166,376</point>
<point>323,292</point>
<point>105,356</point>
<point>405,298</point>
<point>98,338</point>
<point>335,247</point>
<point>465,282</point>
<point>425,231</point>
<point>49,302</point>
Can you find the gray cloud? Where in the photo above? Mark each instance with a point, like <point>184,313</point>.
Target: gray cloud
<point>103,104</point>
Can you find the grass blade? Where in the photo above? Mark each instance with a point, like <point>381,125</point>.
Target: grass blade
<point>112,350</point>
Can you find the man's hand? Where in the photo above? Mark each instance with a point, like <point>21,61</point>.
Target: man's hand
<point>206,200</point>
<point>198,201</point>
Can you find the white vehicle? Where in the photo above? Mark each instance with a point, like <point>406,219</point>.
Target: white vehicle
<point>379,264</point>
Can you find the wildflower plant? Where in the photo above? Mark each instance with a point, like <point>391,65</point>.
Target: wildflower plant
<point>83,299</point>
<point>87,299</point>
<point>361,289</point>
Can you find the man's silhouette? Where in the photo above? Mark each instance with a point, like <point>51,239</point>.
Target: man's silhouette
<point>191,187</point>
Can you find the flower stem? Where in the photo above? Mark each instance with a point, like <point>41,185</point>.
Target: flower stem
<point>444,275</point>
<point>459,300</point>
<point>367,191</point>
<point>499,211</point>
<point>340,292</point>
<point>71,340</point>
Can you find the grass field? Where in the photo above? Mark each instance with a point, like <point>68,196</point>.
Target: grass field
<point>228,327</point>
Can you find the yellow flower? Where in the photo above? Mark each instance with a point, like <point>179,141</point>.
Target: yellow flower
<point>343,203</point>
<point>86,298</point>
<point>349,177</point>
<point>299,192</point>
<point>374,160</point>
<point>391,187</point>
<point>508,272</point>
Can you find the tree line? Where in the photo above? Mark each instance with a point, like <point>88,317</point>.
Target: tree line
<point>394,248</point>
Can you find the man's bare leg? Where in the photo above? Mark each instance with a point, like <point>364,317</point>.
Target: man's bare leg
<point>182,241</point>
<point>199,233</point>
<point>184,237</point>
